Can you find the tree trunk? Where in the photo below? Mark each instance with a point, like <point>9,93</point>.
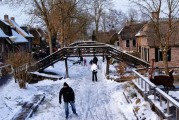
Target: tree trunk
<point>165,61</point>
<point>96,31</point>
<point>50,42</point>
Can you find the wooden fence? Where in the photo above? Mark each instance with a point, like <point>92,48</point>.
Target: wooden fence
<point>146,87</point>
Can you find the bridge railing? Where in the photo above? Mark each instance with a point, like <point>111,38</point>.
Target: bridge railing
<point>22,68</point>
<point>47,61</point>
<point>146,86</point>
<point>127,57</point>
<point>82,42</point>
<point>85,51</point>
<point>78,49</point>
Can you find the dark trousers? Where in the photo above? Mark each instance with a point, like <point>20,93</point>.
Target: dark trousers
<point>94,75</point>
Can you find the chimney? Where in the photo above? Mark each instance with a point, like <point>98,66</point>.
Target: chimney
<point>12,18</point>
<point>130,22</point>
<point>6,18</point>
<point>127,22</point>
<point>155,16</point>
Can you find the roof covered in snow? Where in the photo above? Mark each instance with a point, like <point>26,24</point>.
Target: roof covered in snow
<point>25,34</point>
<point>2,34</point>
<point>4,22</point>
<point>17,38</point>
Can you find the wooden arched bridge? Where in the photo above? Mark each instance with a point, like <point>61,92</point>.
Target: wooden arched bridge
<point>85,48</point>
<point>88,48</point>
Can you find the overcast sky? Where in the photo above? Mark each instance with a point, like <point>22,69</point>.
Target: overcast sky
<point>121,4</point>
<point>21,18</point>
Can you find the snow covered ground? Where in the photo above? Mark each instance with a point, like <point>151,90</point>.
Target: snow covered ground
<point>102,100</point>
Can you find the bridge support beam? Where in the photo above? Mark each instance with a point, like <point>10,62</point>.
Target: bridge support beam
<point>66,66</point>
<point>107,65</point>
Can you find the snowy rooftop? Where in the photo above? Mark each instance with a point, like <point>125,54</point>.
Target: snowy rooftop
<point>20,29</point>
<point>4,22</point>
<point>2,34</point>
<point>18,38</point>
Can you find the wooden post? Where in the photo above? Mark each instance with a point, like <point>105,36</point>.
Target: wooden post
<point>66,66</point>
<point>103,56</point>
<point>138,80</point>
<point>142,86</point>
<point>15,74</point>
<point>177,113</point>
<point>107,65</point>
<point>155,94</point>
<point>168,107</point>
<point>160,100</point>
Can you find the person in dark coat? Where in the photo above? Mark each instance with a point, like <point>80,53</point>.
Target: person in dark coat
<point>91,62</point>
<point>95,60</point>
<point>85,62</point>
<point>68,97</point>
<point>81,60</point>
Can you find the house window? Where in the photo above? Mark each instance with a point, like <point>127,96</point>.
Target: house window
<point>159,56</point>
<point>146,54</point>
<point>127,43</point>
<point>139,49</point>
<point>134,42</point>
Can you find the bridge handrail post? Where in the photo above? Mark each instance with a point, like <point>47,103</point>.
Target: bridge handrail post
<point>141,83</point>
<point>145,87</point>
<point>168,105</point>
<point>177,114</point>
<point>155,95</point>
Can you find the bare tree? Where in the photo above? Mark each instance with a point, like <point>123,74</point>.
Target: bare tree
<point>65,17</point>
<point>71,20</point>
<point>164,32</point>
<point>132,15</point>
<point>113,19</point>
<point>97,8</point>
<point>44,8</point>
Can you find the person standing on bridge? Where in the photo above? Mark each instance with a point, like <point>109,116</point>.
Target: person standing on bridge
<point>68,97</point>
<point>94,72</point>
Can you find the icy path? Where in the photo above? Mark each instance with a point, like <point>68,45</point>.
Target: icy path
<point>102,100</point>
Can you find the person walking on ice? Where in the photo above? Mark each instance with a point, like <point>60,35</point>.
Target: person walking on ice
<point>94,72</point>
<point>68,98</point>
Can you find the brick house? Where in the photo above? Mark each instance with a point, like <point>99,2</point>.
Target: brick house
<point>127,38</point>
<point>149,46</point>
